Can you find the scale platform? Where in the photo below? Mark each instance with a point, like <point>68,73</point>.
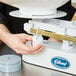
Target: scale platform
<point>17,13</point>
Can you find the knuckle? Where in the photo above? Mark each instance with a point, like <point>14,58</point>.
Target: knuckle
<point>17,52</point>
<point>16,47</point>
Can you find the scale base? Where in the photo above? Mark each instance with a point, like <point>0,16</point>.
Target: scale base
<point>54,57</point>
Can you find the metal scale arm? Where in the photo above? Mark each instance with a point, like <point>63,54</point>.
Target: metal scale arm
<point>53,35</point>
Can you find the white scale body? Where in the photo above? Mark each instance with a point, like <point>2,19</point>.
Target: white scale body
<point>57,56</point>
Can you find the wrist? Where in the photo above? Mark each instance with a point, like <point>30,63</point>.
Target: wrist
<point>4,36</point>
<point>4,33</point>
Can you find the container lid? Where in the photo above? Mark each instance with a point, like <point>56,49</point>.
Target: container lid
<point>10,59</point>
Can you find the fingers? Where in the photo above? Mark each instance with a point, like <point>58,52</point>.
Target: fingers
<point>37,51</point>
<point>55,40</point>
<point>27,37</point>
<point>29,53</point>
<point>29,50</point>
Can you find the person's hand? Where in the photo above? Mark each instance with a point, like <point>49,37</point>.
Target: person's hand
<point>18,43</point>
<point>55,40</point>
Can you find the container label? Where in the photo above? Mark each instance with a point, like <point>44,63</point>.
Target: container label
<point>60,62</point>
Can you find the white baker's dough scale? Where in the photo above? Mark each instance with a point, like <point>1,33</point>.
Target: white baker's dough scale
<point>57,56</point>
<point>53,56</point>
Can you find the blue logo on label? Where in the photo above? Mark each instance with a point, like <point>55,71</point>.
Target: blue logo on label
<point>60,62</point>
